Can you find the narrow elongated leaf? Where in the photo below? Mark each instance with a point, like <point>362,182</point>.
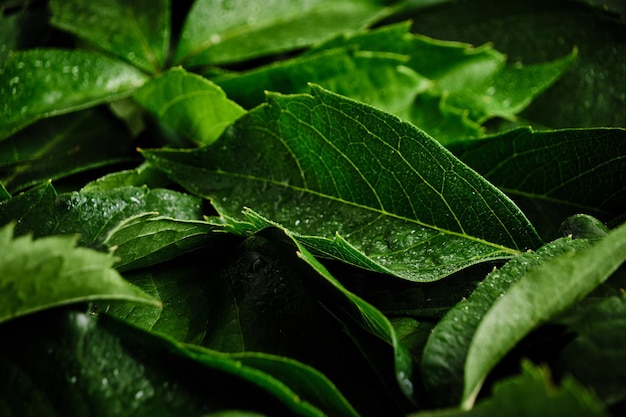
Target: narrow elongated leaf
<point>539,295</point>
<point>40,83</point>
<point>91,214</point>
<point>568,171</point>
<point>359,182</point>
<point>445,354</point>
<point>58,147</point>
<point>147,239</point>
<point>72,364</point>
<point>137,31</point>
<point>531,394</point>
<point>48,272</point>
<point>225,32</point>
<point>190,104</point>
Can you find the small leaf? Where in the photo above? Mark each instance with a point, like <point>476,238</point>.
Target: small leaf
<point>189,104</point>
<point>227,32</point>
<point>40,83</point>
<point>144,175</point>
<point>47,272</point>
<point>136,31</point>
<point>360,184</point>
<point>147,239</point>
<point>539,295</point>
<point>445,354</point>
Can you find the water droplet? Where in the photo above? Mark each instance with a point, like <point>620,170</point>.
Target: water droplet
<point>139,395</point>
<point>14,81</point>
<point>73,379</point>
<point>297,223</point>
<point>21,65</point>
<point>75,71</point>
<point>215,38</point>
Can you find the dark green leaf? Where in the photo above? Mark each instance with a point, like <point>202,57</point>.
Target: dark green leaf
<point>540,294</point>
<point>445,354</point>
<point>597,355</point>
<point>40,83</point>
<point>61,146</point>
<point>147,239</point>
<point>224,32</point>
<point>4,194</point>
<point>72,364</point>
<point>144,175</point>
<point>47,272</point>
<point>531,394</point>
<point>92,213</point>
<point>189,104</point>
<point>356,184</point>
<point>137,31</point>
<point>566,171</point>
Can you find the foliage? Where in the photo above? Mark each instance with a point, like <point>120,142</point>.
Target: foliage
<point>309,208</point>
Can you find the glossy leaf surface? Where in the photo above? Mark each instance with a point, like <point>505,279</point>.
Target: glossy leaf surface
<point>39,83</point>
<point>48,272</point>
<point>337,170</point>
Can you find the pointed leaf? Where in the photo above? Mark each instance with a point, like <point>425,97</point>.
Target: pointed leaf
<point>40,83</point>
<point>40,274</point>
<point>445,354</point>
<point>225,32</point>
<point>536,297</point>
<point>145,175</point>
<point>189,104</point>
<point>137,31</point>
<point>355,179</point>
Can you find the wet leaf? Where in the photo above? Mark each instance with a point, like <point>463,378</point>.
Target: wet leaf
<point>40,274</point>
<point>136,31</point>
<point>540,294</point>
<point>40,83</point>
<point>354,183</point>
<point>189,104</point>
<point>217,33</point>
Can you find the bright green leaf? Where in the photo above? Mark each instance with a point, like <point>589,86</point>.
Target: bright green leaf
<point>137,31</point>
<point>536,297</point>
<point>225,32</point>
<point>445,354</point>
<point>48,272</point>
<point>189,104</point>
<point>61,146</point>
<point>531,394</point>
<point>360,183</point>
<point>40,83</point>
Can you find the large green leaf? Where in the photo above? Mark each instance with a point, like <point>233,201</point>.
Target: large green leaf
<point>531,394</point>
<point>72,364</point>
<point>190,104</point>
<point>445,354</point>
<point>218,32</point>
<point>540,294</point>
<point>48,272</point>
<point>40,83</point>
<point>363,185</point>
<point>91,213</point>
<point>58,147</point>
<point>562,171</point>
<point>137,31</point>
<point>534,31</point>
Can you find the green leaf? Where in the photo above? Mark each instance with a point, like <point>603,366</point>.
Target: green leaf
<point>539,295</point>
<point>360,184</point>
<point>137,31</point>
<point>189,104</point>
<point>145,175</point>
<point>533,31</point>
<point>531,394</point>
<point>565,171</point>
<point>40,83</point>
<point>147,239</point>
<point>446,352</point>
<point>220,33</point>
<point>58,147</point>
<point>48,272</point>
<point>596,355</point>
<point>72,364</point>
<point>4,194</point>
<point>91,214</point>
